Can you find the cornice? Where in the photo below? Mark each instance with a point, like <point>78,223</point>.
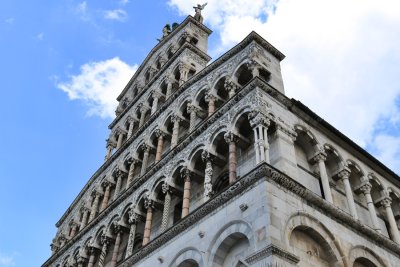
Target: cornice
<point>189,19</point>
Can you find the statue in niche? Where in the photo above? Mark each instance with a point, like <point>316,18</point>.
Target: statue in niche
<point>198,9</point>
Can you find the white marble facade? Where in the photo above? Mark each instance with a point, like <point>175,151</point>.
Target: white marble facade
<point>212,165</point>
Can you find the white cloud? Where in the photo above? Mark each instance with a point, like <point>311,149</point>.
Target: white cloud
<point>342,55</point>
<point>124,2</point>
<point>388,150</point>
<point>9,20</point>
<point>40,36</point>
<point>82,10</point>
<point>116,14</point>
<point>98,84</point>
<point>6,261</point>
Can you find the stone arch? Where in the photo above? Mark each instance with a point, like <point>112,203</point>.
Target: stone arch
<point>188,257</point>
<point>218,131</point>
<point>241,112</point>
<point>158,183</point>
<point>316,231</point>
<point>361,256</point>
<point>233,237</point>
<point>114,219</point>
<point>241,65</point>
<point>194,151</point>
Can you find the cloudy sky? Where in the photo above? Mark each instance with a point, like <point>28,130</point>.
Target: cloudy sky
<point>64,62</point>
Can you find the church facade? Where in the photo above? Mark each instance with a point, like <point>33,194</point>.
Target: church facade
<point>210,164</point>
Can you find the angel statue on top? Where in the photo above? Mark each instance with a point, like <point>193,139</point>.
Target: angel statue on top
<point>198,10</point>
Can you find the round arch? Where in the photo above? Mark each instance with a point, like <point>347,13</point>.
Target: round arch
<point>189,254</point>
<point>226,238</point>
<point>364,254</point>
<point>313,227</point>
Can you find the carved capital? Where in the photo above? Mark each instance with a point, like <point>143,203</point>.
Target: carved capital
<point>134,218</point>
<point>105,240</point>
<point>148,202</point>
<point>118,173</point>
<point>344,174</point>
<point>366,188</point>
<point>192,108</point>
<point>183,67</point>
<point>145,147</point>
<point>132,160</point>
<point>257,118</point>
<point>319,156</point>
<point>159,133</point>
<point>210,97</point>
<point>110,143</point>
<point>230,137</point>
<point>176,118</point>
<point>186,173</point>
<point>166,188</point>
<point>386,202</point>
<point>252,64</point>
<point>230,85</point>
<point>207,156</point>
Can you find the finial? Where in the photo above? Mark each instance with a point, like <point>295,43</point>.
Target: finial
<point>198,9</point>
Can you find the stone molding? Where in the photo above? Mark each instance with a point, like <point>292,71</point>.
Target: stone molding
<point>272,250</point>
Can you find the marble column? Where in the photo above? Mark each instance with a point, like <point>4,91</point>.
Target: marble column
<point>146,151</point>
<point>155,103</point>
<point>169,81</point>
<point>366,189</point>
<point>119,140</point>
<point>118,175</point>
<point>192,110</point>
<point>320,158</point>
<point>132,162</point>
<point>149,205</point>
<point>74,229</point>
<point>133,221</point>
<point>175,131</point>
<point>231,87</point>
<point>394,230</point>
<point>160,144</point>
<point>118,232</point>
<point>92,256</point>
<point>131,125</point>
<point>85,216</point>
<point>210,99</point>
<point>186,176</point>
<point>254,68</point>
<point>344,176</point>
<point>231,139</point>
<point>105,241</point>
<point>106,197</point>
<point>260,123</point>
<point>110,147</point>
<point>143,111</point>
<point>167,204</point>
<point>208,172</point>
<point>95,206</point>
<point>184,70</point>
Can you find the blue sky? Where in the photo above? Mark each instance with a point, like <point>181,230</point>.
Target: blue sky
<point>63,63</point>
